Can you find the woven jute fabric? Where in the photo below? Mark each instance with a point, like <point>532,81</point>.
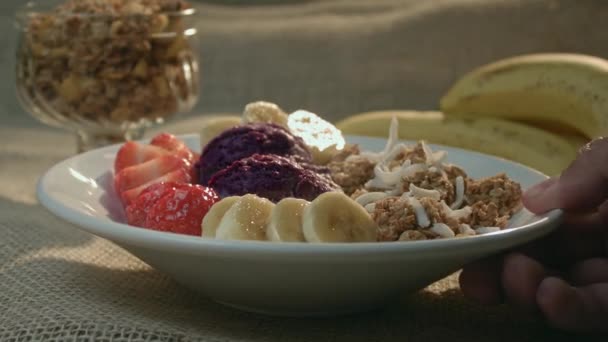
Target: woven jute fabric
<point>58,283</point>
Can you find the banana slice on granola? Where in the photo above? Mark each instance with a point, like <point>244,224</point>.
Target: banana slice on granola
<point>335,217</point>
<point>322,137</point>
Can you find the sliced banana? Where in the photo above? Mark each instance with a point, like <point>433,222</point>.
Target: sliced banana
<point>212,219</point>
<point>316,132</point>
<point>246,219</point>
<point>262,111</point>
<point>335,217</point>
<point>286,221</point>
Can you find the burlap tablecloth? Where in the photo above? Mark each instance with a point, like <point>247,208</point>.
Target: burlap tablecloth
<point>334,57</point>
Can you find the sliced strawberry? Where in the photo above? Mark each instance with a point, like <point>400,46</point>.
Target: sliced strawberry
<point>168,142</point>
<point>181,210</point>
<point>133,153</point>
<point>171,143</point>
<point>179,176</point>
<point>136,175</point>
<point>138,209</point>
<point>138,166</point>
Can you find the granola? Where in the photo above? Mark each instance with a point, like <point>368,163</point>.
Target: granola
<point>350,170</point>
<point>412,194</point>
<point>499,190</point>
<point>110,61</point>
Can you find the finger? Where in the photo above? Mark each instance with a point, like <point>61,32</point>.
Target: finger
<point>480,281</point>
<point>583,185</point>
<point>590,271</point>
<point>590,221</point>
<point>593,220</point>
<point>583,309</point>
<point>565,246</point>
<point>568,245</point>
<point>521,277</point>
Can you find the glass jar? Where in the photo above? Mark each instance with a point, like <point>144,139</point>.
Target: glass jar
<point>106,73</point>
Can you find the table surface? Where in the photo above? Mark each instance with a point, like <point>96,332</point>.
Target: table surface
<point>58,283</point>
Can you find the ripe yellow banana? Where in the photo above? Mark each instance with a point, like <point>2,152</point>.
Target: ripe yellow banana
<point>574,137</point>
<point>570,89</point>
<point>525,144</point>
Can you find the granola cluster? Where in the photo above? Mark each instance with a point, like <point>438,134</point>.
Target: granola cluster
<point>412,194</point>
<point>110,61</point>
<point>350,170</point>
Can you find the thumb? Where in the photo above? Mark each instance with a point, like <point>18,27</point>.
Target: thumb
<point>582,186</point>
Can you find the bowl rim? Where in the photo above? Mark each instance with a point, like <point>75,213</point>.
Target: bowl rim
<point>124,234</point>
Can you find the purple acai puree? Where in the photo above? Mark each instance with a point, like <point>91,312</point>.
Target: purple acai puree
<point>243,141</point>
<point>272,177</point>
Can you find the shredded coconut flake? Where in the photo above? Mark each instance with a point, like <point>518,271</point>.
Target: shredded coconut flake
<point>421,216</point>
<point>486,230</point>
<point>465,229</point>
<point>428,153</point>
<point>370,197</point>
<point>459,189</point>
<point>439,157</point>
<point>394,192</point>
<point>413,169</point>
<point>370,207</point>
<point>393,153</point>
<point>386,177</point>
<point>393,138</point>
<point>442,230</point>
<point>457,214</point>
<point>422,193</point>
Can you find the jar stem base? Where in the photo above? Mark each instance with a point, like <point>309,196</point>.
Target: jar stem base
<point>89,140</point>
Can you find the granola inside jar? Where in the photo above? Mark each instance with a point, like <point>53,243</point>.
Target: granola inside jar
<point>107,67</point>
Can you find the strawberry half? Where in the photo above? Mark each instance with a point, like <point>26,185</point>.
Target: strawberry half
<point>137,166</point>
<point>167,141</point>
<point>171,143</point>
<point>136,175</point>
<point>180,209</point>
<point>178,176</point>
<point>139,207</point>
<point>133,153</point>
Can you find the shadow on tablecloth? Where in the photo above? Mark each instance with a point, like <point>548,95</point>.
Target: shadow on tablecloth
<point>26,229</point>
<point>110,294</point>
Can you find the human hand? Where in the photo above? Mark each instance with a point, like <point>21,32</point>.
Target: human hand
<point>564,276</point>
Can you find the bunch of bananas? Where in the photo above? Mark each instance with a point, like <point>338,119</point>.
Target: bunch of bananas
<point>536,109</point>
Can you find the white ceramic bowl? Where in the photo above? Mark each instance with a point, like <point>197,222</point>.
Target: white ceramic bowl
<point>285,278</point>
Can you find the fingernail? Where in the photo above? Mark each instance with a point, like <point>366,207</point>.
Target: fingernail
<point>543,196</point>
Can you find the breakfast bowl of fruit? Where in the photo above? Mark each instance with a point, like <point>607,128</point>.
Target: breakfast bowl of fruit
<point>282,214</point>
